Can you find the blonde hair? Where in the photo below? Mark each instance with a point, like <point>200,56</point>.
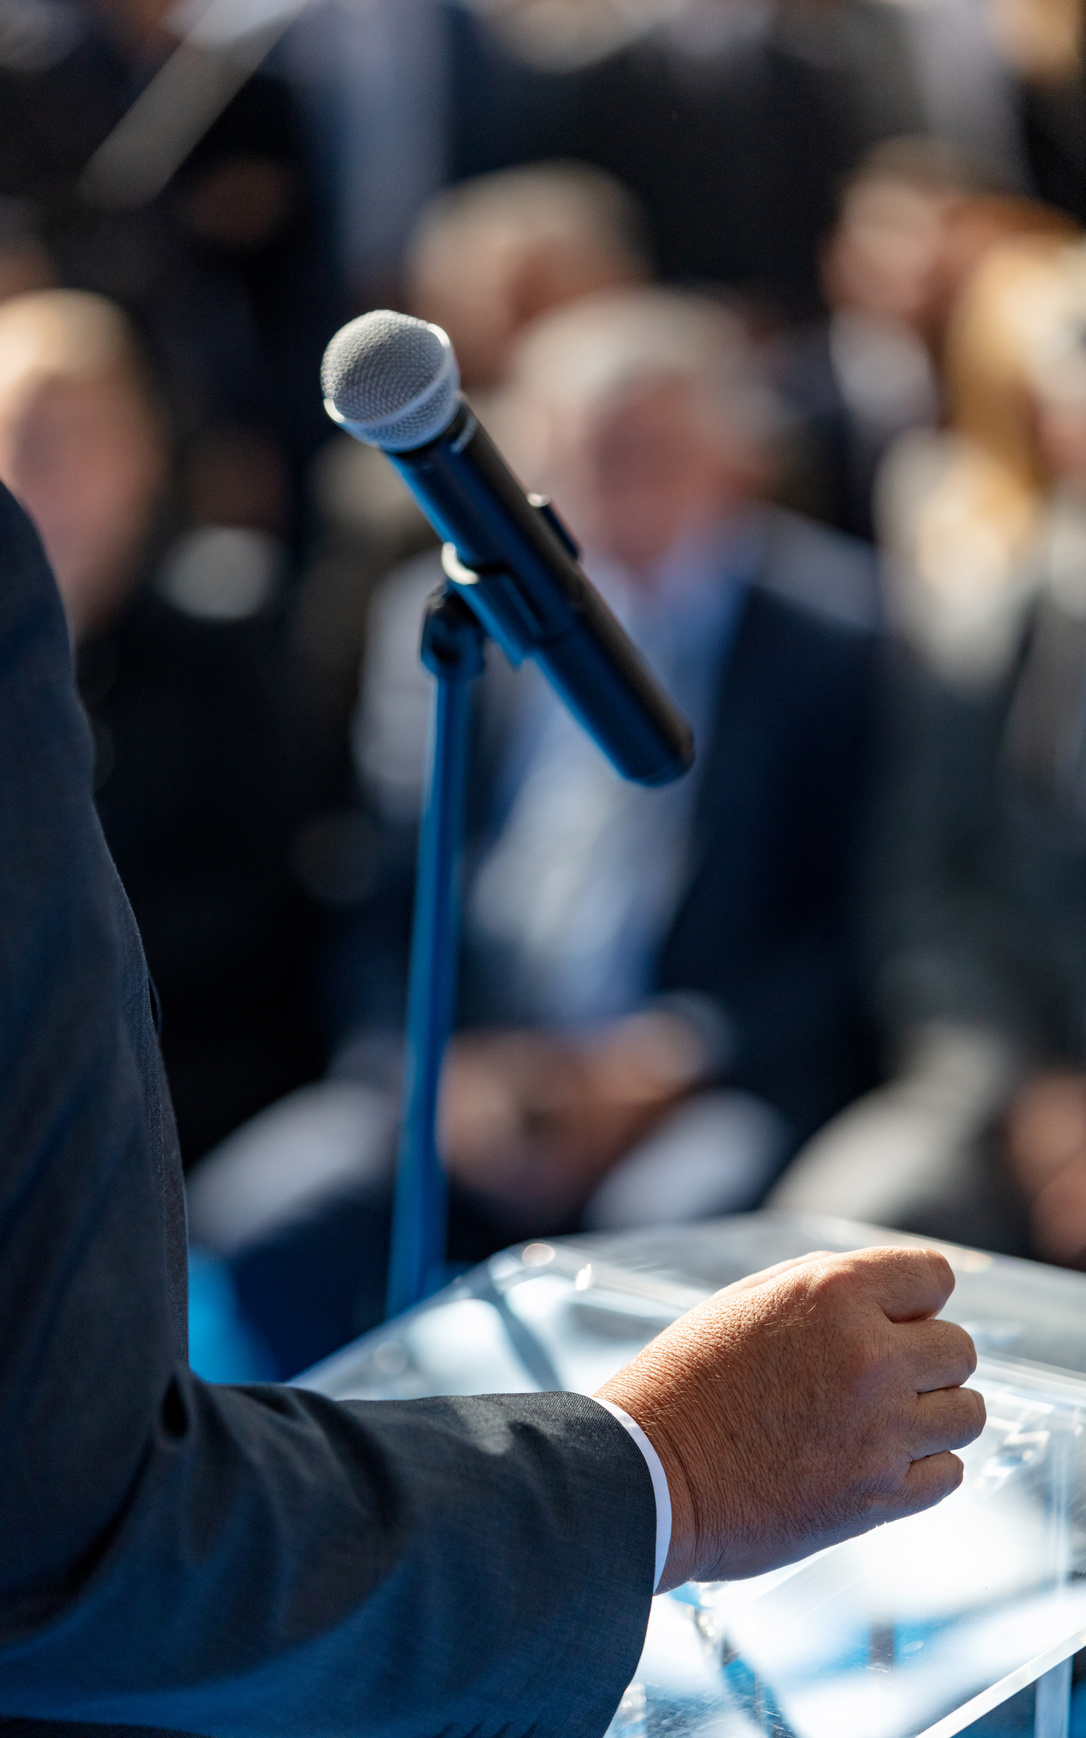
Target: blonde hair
<point>962,513</point>
<point>1042,39</point>
<point>1016,315</point>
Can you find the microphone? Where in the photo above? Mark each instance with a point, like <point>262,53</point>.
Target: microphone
<point>393,382</point>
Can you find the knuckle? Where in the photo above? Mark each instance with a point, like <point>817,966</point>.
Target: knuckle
<point>832,1282</point>
<point>955,1472</point>
<point>893,1257</point>
<point>886,1474</point>
<point>942,1474</point>
<point>938,1266</point>
<point>945,1472</point>
<point>963,1347</point>
<point>927,1267</point>
<point>947,1354</point>
<point>871,1266</point>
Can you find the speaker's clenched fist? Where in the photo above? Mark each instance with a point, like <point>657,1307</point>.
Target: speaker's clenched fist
<point>803,1405</point>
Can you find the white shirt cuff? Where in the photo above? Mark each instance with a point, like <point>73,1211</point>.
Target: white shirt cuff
<point>659,1485</point>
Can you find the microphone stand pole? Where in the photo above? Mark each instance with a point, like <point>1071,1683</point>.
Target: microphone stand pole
<point>453,642</point>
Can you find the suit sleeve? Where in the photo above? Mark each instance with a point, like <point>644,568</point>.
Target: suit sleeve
<point>235,1561</point>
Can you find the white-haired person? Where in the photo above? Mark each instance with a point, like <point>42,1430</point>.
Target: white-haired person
<point>655,998</point>
<point>483,260</point>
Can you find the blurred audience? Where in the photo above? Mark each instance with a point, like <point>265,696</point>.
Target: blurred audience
<point>735,125</point>
<point>25,264</point>
<point>656,1001</point>
<point>402,97</point>
<point>968,95</point>
<point>855,380</point>
<point>489,256</point>
<point>485,258</point>
<point>734,122</point>
<point>658,1004</point>
<point>915,220</point>
<point>192,209</point>
<point>978,902</point>
<point>199,734</point>
<point>1043,47</point>
<point>372,82</point>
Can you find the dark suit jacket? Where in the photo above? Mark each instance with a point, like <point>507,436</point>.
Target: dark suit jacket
<point>833,460</point>
<point>738,154</point>
<point>763,924</point>
<point>976,906</point>
<point>235,1561</point>
<point>206,774</point>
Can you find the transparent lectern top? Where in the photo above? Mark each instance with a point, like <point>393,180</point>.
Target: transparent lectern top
<point>913,1631</point>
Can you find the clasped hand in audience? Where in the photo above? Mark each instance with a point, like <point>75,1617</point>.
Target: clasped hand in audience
<point>1046,1153</point>
<point>534,1119</point>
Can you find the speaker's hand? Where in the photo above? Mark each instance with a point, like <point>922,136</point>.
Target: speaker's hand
<point>802,1406</point>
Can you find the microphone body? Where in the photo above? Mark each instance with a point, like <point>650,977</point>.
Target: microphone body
<point>516,566</point>
<point>513,561</point>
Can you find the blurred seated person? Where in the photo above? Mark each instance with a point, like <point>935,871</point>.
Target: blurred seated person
<point>401,97</point>
<point>736,125</point>
<point>195,212</point>
<point>858,378</point>
<point>182,667</point>
<point>489,256</point>
<point>978,897</point>
<point>655,996</point>
<point>484,259</point>
<point>915,220</point>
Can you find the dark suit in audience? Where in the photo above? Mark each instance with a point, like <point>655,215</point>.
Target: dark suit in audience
<point>857,379</point>
<point>206,774</point>
<point>759,922</point>
<point>836,459</point>
<point>738,149</point>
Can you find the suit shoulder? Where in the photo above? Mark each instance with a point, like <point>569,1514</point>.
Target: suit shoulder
<point>19,541</point>
<point>807,655</point>
<point>832,577</point>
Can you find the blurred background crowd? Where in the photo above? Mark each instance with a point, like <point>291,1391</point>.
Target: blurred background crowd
<point>783,302</point>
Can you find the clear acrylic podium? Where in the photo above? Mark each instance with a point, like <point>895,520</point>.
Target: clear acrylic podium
<point>916,1630</point>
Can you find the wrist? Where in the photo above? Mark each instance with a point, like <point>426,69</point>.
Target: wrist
<point>629,1398</point>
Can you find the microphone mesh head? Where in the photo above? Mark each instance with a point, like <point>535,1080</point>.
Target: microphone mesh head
<point>390,380</point>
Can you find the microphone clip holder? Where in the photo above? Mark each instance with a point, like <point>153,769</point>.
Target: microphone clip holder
<point>453,650</point>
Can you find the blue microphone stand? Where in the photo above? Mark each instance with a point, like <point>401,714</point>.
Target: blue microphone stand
<point>453,644</point>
